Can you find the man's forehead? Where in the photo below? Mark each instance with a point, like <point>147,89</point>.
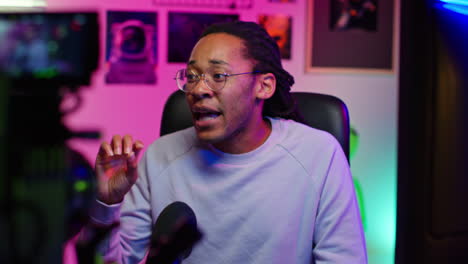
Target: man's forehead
<point>219,50</point>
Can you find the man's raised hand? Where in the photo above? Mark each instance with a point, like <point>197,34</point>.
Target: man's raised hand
<point>116,168</point>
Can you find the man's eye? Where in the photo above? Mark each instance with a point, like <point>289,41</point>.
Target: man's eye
<point>191,77</point>
<point>219,77</point>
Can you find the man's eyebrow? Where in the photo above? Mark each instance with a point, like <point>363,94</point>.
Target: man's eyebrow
<point>218,62</point>
<point>215,62</point>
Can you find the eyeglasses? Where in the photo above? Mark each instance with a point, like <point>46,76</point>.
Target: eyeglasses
<point>187,79</point>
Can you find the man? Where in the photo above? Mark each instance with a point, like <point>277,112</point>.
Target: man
<point>264,188</point>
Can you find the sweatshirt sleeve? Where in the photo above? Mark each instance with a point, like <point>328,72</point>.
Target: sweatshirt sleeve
<point>338,235</point>
<point>128,242</point>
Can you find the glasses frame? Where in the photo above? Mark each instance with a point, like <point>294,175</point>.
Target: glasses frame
<point>203,76</point>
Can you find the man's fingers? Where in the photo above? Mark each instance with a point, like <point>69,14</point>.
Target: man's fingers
<point>117,144</point>
<point>127,144</point>
<point>132,159</point>
<point>138,146</point>
<point>132,174</point>
<point>119,151</point>
<point>105,150</point>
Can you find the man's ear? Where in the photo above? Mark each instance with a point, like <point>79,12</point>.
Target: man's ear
<point>267,86</point>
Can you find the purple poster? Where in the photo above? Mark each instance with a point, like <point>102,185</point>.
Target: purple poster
<point>131,52</point>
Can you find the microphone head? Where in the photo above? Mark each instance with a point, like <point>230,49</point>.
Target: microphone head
<point>175,214</point>
<point>174,233</point>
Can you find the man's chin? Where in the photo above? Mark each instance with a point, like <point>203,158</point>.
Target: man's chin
<point>209,137</point>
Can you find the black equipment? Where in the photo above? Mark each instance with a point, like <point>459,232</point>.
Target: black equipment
<point>174,234</point>
<point>46,187</point>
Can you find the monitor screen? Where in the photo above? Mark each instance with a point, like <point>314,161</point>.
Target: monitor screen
<point>55,47</point>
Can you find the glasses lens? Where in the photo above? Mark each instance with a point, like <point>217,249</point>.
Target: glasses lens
<point>180,79</point>
<point>187,80</point>
<point>215,80</point>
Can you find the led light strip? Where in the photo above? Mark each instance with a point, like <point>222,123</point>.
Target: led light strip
<point>456,2</point>
<point>23,3</point>
<point>456,8</point>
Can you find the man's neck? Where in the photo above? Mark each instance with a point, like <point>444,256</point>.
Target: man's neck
<point>246,143</point>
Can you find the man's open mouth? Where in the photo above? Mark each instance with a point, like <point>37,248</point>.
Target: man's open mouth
<point>204,114</point>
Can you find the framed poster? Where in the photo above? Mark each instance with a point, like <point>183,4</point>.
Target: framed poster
<point>131,47</point>
<point>351,36</point>
<point>279,28</point>
<point>186,28</point>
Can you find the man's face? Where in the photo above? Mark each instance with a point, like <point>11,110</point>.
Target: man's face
<point>231,114</point>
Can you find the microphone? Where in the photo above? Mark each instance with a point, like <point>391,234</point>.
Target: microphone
<point>174,234</point>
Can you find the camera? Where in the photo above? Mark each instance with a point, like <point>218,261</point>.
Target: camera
<point>46,187</point>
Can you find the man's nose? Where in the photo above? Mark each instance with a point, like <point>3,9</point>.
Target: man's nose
<point>201,89</point>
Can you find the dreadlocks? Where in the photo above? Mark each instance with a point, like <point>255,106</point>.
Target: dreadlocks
<point>265,52</point>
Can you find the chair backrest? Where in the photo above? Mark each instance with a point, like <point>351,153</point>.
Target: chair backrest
<point>325,112</point>
<point>321,111</point>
